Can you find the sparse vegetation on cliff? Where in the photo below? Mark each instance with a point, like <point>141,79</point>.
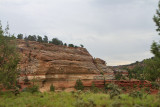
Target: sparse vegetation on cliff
<point>54,41</point>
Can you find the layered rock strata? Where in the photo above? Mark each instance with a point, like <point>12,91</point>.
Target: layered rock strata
<point>59,65</point>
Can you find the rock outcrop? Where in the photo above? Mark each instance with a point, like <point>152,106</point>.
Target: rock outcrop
<point>58,65</point>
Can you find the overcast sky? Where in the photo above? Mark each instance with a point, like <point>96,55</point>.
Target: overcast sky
<point>118,31</point>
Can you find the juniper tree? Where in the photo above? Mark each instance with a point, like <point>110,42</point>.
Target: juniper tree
<point>45,39</point>
<point>79,85</point>
<point>52,88</point>
<point>9,59</point>
<point>56,41</point>
<point>39,39</point>
<point>20,36</point>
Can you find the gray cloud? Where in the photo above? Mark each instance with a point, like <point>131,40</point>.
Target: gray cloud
<point>119,31</point>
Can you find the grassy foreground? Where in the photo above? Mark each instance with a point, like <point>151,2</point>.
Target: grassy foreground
<point>75,99</point>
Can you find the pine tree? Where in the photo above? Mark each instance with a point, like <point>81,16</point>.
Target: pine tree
<point>152,68</point>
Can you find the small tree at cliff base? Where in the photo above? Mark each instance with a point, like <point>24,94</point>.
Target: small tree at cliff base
<point>79,85</point>
<point>52,89</point>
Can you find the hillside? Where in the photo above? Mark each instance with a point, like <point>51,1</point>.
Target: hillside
<point>128,66</point>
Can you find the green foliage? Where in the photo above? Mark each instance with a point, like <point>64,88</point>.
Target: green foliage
<point>20,36</point>
<point>136,72</point>
<point>94,89</point>
<point>147,89</point>
<point>81,45</point>
<point>16,91</point>
<point>81,103</point>
<point>155,49</point>
<point>39,39</point>
<point>113,90</point>
<point>134,86</point>
<point>124,88</point>
<point>79,85</point>
<point>32,89</point>
<point>136,94</point>
<point>67,99</point>
<point>9,59</point>
<point>156,18</point>
<point>93,86</point>
<point>155,85</point>
<point>52,88</point>
<point>45,39</point>
<point>70,45</point>
<point>65,44</point>
<point>101,73</point>
<point>56,41</point>
<point>141,86</point>
<point>118,76</point>
<point>31,38</point>
<point>152,69</point>
<point>25,38</point>
<point>76,46</point>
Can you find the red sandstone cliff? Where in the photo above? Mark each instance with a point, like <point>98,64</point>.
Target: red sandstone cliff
<point>60,65</point>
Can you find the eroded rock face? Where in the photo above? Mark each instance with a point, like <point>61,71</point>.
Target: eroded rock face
<point>60,65</point>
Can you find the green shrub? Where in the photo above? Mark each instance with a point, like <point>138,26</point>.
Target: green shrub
<point>80,103</point>
<point>118,76</point>
<point>31,89</point>
<point>70,45</point>
<point>79,85</point>
<point>141,86</point>
<point>113,90</point>
<point>134,86</point>
<point>56,41</point>
<point>81,45</point>
<point>136,94</point>
<point>155,85</point>
<point>92,86</point>
<point>101,73</point>
<point>124,88</point>
<point>94,89</point>
<point>147,89</point>
<point>52,88</point>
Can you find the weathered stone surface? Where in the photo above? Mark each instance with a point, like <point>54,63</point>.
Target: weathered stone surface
<point>60,65</point>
